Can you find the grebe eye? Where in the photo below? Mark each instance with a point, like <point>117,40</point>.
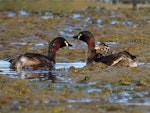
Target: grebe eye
<point>66,43</point>
<point>79,36</point>
<point>102,49</point>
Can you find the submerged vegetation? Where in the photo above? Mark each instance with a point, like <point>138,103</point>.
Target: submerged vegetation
<point>28,26</point>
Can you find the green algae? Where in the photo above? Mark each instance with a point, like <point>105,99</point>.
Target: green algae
<point>36,29</point>
<point>105,92</point>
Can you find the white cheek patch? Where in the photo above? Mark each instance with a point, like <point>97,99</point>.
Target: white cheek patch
<point>79,36</point>
<point>66,43</point>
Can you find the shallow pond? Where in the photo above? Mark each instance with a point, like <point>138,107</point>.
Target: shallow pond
<point>111,92</point>
<point>109,89</point>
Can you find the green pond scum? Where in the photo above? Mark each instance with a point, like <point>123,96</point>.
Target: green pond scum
<point>29,25</point>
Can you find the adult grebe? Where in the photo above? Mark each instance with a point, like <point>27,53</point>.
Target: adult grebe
<point>38,61</point>
<point>123,58</point>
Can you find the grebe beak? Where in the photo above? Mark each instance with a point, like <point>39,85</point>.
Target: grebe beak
<point>67,44</point>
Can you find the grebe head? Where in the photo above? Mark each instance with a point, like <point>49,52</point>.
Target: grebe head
<point>87,37</point>
<point>58,42</point>
<point>38,61</point>
<point>102,48</point>
<point>55,44</point>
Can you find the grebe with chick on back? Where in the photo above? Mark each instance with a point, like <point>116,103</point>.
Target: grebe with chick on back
<point>122,58</point>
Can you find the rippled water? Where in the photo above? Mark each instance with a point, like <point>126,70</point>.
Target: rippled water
<point>127,96</point>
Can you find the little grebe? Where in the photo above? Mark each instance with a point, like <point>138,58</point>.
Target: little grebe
<point>123,58</point>
<point>38,61</point>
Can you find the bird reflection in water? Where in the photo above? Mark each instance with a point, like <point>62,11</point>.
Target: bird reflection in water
<point>38,75</point>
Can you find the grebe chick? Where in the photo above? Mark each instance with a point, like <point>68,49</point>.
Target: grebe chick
<point>123,58</point>
<point>102,49</point>
<point>38,61</point>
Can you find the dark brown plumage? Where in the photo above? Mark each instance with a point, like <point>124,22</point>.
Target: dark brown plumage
<point>123,58</point>
<point>38,61</point>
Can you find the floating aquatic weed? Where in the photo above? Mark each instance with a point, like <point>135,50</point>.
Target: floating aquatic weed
<point>142,82</point>
<point>124,82</point>
<point>98,65</point>
<point>106,21</point>
<point>105,92</point>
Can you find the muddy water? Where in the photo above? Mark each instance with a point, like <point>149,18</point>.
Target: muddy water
<point>111,85</point>
<point>127,96</point>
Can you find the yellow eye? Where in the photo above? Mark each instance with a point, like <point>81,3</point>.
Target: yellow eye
<point>79,36</point>
<point>66,43</point>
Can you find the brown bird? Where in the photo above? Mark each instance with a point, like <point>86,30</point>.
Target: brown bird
<point>38,61</point>
<point>123,58</point>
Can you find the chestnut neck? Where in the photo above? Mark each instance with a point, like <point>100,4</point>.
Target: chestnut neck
<point>91,49</point>
<point>53,48</point>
